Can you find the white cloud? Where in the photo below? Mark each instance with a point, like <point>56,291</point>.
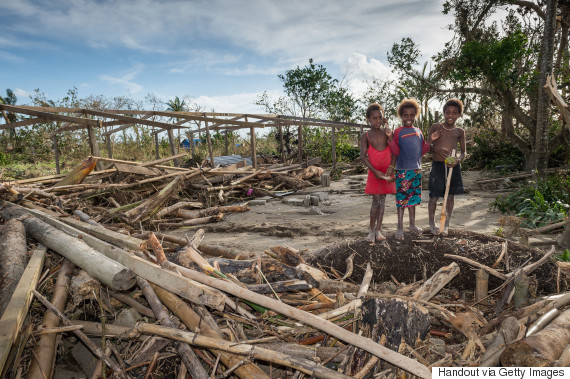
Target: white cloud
<point>22,93</point>
<point>237,103</point>
<point>126,79</point>
<point>361,71</point>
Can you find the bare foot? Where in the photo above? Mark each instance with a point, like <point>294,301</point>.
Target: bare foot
<point>370,237</point>
<point>399,235</point>
<point>445,231</point>
<point>434,230</point>
<point>416,229</point>
<point>379,236</point>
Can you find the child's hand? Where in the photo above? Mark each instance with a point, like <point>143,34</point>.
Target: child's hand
<point>389,132</point>
<point>390,171</point>
<point>435,135</point>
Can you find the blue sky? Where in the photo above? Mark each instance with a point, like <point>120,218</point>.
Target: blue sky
<point>223,54</point>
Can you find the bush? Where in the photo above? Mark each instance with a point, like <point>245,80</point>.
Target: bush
<point>490,152</point>
<point>538,204</point>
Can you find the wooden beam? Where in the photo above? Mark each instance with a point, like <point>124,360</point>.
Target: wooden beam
<point>333,150</point>
<point>253,147</point>
<point>172,142</point>
<point>94,145</point>
<point>300,144</point>
<point>14,315</point>
<point>281,144</point>
<point>113,131</point>
<point>49,116</point>
<point>56,152</point>
<point>30,121</point>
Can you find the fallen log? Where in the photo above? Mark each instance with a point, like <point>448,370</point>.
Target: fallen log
<point>173,282</point>
<point>212,211</point>
<point>541,349</point>
<point>507,333</point>
<point>439,280</point>
<point>17,309</point>
<point>186,353</point>
<point>198,324</point>
<point>96,264</point>
<point>193,221</point>
<point>13,263</point>
<point>282,286</point>
<point>45,351</point>
<point>305,366</point>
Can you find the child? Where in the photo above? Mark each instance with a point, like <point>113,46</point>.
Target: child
<point>446,137</point>
<point>377,156</point>
<point>408,145</point>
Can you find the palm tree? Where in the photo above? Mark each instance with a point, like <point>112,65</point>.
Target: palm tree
<point>176,105</point>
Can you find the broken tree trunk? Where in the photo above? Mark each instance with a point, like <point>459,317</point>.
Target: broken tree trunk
<point>153,204</point>
<point>211,211</point>
<point>434,284</point>
<point>541,349</point>
<point>96,264</point>
<point>79,173</point>
<point>45,351</point>
<point>13,263</point>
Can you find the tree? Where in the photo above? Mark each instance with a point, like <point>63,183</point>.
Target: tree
<point>502,66</point>
<point>10,99</point>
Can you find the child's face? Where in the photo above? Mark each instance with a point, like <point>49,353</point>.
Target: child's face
<point>408,116</point>
<point>451,114</point>
<point>375,119</point>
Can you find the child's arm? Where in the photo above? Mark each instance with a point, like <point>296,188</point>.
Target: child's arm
<point>394,143</point>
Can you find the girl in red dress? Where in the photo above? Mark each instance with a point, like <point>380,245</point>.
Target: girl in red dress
<point>376,155</point>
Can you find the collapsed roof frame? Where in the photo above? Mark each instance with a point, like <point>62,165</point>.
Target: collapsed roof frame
<point>90,119</point>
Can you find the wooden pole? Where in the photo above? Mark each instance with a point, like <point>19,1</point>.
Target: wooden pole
<point>300,144</point>
<point>172,142</point>
<point>209,140</point>
<point>436,116</point>
<point>444,205</point>
<point>157,146</point>
<point>192,146</point>
<point>333,142</point>
<point>226,141</point>
<point>253,146</point>
<point>281,144</point>
<point>109,146</point>
<point>56,152</point>
<point>93,143</point>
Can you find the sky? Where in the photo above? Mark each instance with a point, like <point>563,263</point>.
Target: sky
<point>221,53</point>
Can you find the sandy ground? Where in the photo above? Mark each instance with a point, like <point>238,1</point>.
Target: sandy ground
<point>347,217</point>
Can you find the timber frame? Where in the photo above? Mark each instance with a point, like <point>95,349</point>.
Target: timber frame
<point>69,119</point>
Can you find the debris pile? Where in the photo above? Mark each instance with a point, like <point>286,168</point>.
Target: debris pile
<point>108,293</point>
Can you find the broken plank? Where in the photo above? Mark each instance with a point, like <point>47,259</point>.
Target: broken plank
<point>13,318</point>
<point>135,169</point>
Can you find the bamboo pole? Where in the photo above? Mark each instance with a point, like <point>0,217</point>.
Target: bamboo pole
<point>45,351</point>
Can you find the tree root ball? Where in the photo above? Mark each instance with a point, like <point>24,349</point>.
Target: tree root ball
<point>419,257</point>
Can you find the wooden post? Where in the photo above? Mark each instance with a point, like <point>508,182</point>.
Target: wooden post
<point>209,140</point>
<point>253,147</point>
<point>191,137</point>
<point>94,145</point>
<point>226,141</point>
<point>481,285</point>
<point>436,116</point>
<point>359,137</point>
<point>333,142</point>
<point>157,146</point>
<point>56,152</point>
<point>172,142</point>
<point>300,144</point>
<point>109,146</point>
<point>281,144</point>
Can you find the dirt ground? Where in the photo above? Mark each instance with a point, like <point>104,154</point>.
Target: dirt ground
<point>346,218</point>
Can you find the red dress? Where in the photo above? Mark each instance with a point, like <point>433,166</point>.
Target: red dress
<point>380,160</point>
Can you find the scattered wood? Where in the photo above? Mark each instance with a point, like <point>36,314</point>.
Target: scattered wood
<point>434,284</point>
<point>13,263</point>
<point>79,173</point>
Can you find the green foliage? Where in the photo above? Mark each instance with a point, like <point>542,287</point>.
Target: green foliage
<point>493,60</point>
<point>490,151</point>
<point>4,159</point>
<point>538,204</point>
<point>564,257</point>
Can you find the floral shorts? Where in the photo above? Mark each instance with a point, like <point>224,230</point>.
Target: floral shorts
<point>408,188</point>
